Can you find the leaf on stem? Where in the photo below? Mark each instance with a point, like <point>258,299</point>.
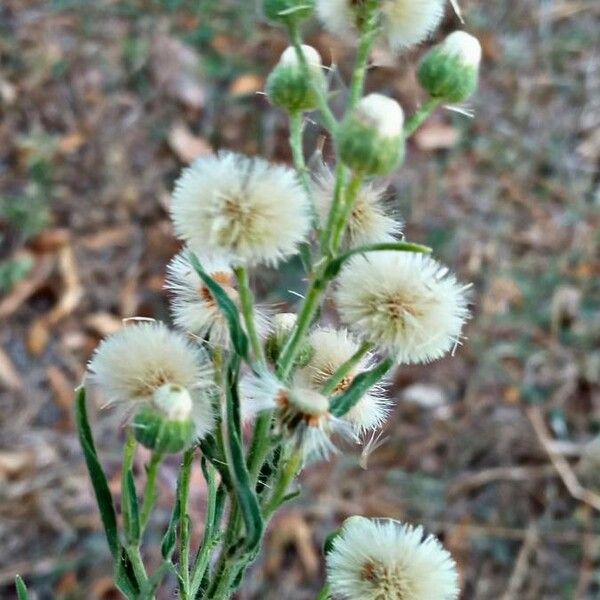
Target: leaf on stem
<point>341,404</point>
<point>243,488</point>
<point>131,512</point>
<point>21,588</point>
<point>335,265</point>
<point>239,338</point>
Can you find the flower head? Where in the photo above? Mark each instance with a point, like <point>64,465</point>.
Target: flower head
<point>405,302</point>
<point>331,349</point>
<point>369,221</point>
<point>243,207</point>
<point>147,367</point>
<point>377,559</point>
<point>302,414</point>
<point>405,23</point>
<point>193,306</point>
<point>371,138</point>
<point>450,71</point>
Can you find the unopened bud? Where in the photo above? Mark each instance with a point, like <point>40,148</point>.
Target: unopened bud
<point>288,85</point>
<point>371,139</point>
<point>450,71</point>
<point>165,426</point>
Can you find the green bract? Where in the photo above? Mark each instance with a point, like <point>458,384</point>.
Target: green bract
<point>365,151</point>
<point>154,431</point>
<point>447,77</point>
<point>289,88</point>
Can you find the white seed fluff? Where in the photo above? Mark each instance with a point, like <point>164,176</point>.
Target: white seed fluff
<point>290,57</point>
<point>240,206</point>
<point>465,46</point>
<point>132,365</point>
<point>381,559</point>
<point>409,22</point>
<point>384,114</point>
<point>405,23</point>
<point>405,302</point>
<point>369,222</point>
<point>332,348</point>
<point>193,306</point>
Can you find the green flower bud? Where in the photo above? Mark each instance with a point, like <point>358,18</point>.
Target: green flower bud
<point>450,71</point>
<point>282,327</point>
<point>287,85</point>
<point>371,139</point>
<point>288,11</point>
<point>165,426</point>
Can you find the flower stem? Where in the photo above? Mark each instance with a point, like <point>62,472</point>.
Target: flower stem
<point>287,475</point>
<point>184,526</point>
<point>419,117</point>
<point>345,212</point>
<point>247,302</point>
<point>328,118</point>
<point>324,594</point>
<point>346,368</point>
<point>150,489</point>
<point>362,58</point>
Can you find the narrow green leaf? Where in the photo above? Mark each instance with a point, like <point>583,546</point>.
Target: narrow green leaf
<point>341,404</point>
<point>243,488</point>
<point>21,588</point>
<point>167,546</point>
<point>99,481</point>
<point>130,500</point>
<point>125,575</point>
<point>334,266</point>
<point>227,306</point>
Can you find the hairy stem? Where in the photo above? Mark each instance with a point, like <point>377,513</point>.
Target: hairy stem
<point>184,526</point>
<point>345,212</point>
<point>247,302</point>
<point>150,489</point>
<point>359,75</point>
<point>420,116</point>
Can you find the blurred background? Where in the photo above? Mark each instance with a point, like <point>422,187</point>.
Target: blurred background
<point>495,450</point>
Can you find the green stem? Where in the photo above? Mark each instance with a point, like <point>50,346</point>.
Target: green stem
<point>135,556</point>
<point>346,368</point>
<point>419,117</point>
<point>345,212</point>
<point>338,194</point>
<point>247,302</point>
<point>324,594</point>
<point>184,525</point>
<point>209,539</point>
<point>359,74</point>
<point>260,446</point>
<point>150,492</point>
<point>328,118</point>
<point>307,312</point>
<point>288,473</point>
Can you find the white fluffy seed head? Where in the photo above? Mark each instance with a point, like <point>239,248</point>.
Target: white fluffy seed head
<point>369,221</point>
<point>409,22</point>
<point>405,23</point>
<point>332,348</point>
<point>465,46</point>
<point>405,302</point>
<point>243,207</point>
<point>133,366</point>
<point>384,114</point>
<point>193,307</point>
<point>290,57</point>
<point>373,559</point>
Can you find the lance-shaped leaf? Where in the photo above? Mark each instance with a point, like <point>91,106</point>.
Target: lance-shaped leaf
<point>240,477</point>
<point>335,265</point>
<point>362,383</point>
<point>21,588</point>
<point>239,338</point>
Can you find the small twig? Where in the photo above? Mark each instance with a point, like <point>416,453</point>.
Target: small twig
<point>563,468</point>
<point>519,573</point>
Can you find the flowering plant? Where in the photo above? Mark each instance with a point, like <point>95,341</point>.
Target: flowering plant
<point>300,385</point>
